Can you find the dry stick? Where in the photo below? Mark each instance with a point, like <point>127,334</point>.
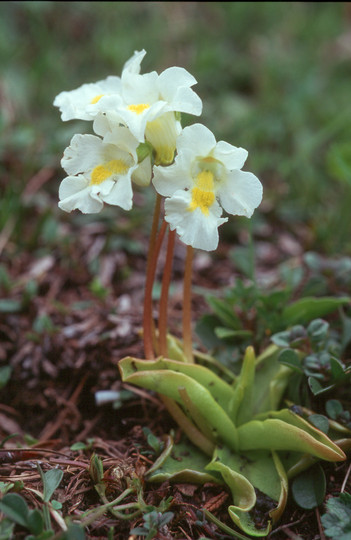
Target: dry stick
<point>150,274</point>
<point>320,528</point>
<point>167,273</point>
<point>345,479</point>
<point>187,335</point>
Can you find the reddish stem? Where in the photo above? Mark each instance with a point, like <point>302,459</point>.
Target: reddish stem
<point>167,273</point>
<point>150,276</point>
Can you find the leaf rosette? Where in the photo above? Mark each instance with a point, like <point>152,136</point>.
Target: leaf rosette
<point>254,447</point>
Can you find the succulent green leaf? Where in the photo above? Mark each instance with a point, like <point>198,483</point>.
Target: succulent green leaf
<point>245,474</point>
<point>242,490</point>
<point>157,377</point>
<point>182,462</point>
<point>284,430</point>
<point>175,351</point>
<point>242,403</point>
<point>221,391</point>
<point>246,523</point>
<point>271,379</point>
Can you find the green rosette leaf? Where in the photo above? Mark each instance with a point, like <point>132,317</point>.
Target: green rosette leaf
<point>182,462</point>
<point>249,474</point>
<point>285,430</point>
<point>186,386</point>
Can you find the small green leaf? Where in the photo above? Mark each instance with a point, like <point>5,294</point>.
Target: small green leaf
<point>8,305</point>
<point>290,358</point>
<point>320,422</point>
<point>78,446</point>
<point>5,374</point>
<point>5,487</point>
<point>317,330</point>
<point>333,408</point>
<point>35,522</point>
<point>51,481</point>
<point>308,489</point>
<point>205,329</point>
<point>337,520</point>
<point>224,312</point>
<point>153,441</point>
<point>337,369</point>
<point>74,532</point>
<point>281,339</point>
<point>96,469</point>
<point>15,507</point>
<point>56,505</point>
<point>225,333</point>
<point>6,529</point>
<point>315,386</point>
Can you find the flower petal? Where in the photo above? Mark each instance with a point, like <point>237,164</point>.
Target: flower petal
<point>174,87</point>
<point>167,180</point>
<point>75,103</point>
<point>82,155</point>
<point>121,193</point>
<point>133,64</point>
<point>231,156</point>
<point>140,88</point>
<point>196,140</point>
<point>195,228</point>
<point>75,193</point>
<point>241,193</point>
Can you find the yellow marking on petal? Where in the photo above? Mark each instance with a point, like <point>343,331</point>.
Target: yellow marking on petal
<point>96,99</point>
<point>201,199</point>
<point>208,159</point>
<point>102,172</point>
<point>205,180</point>
<point>139,108</point>
<point>202,196</point>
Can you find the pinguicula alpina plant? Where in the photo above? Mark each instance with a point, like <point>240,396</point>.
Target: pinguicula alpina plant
<point>238,434</point>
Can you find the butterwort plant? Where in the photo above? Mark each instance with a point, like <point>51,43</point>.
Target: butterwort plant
<point>243,438</point>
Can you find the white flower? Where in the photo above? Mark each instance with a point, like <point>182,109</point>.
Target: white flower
<point>147,104</point>
<point>80,104</point>
<point>101,172</point>
<point>204,173</point>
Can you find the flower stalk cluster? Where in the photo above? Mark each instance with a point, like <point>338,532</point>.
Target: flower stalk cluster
<point>138,140</point>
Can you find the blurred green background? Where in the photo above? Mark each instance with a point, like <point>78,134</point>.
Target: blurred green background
<point>275,78</point>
